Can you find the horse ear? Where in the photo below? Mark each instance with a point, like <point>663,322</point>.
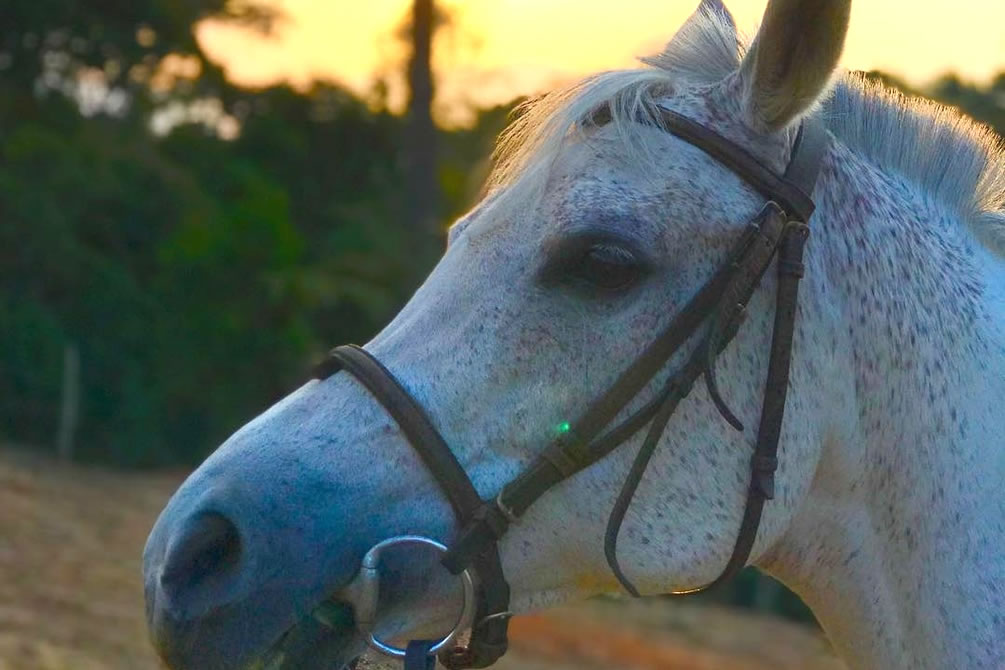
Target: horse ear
<point>717,8</point>
<point>790,63</point>
<point>705,48</point>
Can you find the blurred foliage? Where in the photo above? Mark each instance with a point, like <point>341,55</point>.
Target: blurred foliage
<point>197,276</point>
<point>984,104</point>
<point>752,589</point>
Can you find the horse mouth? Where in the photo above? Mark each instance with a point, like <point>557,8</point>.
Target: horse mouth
<point>325,639</point>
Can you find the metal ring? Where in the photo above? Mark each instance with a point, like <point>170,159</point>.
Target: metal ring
<point>366,589</point>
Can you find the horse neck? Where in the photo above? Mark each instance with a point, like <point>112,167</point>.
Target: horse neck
<point>898,547</point>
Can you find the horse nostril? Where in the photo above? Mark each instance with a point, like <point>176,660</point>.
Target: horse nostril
<point>206,552</point>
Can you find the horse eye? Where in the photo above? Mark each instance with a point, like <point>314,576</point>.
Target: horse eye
<point>607,267</point>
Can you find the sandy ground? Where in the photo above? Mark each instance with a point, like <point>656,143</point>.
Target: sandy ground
<point>70,598</point>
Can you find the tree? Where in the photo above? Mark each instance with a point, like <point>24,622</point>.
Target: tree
<point>199,277</point>
<point>421,145</point>
<point>52,46</point>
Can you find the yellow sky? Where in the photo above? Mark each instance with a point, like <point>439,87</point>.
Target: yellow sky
<point>502,48</point>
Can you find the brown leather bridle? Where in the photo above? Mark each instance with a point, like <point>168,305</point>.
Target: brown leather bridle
<point>780,228</point>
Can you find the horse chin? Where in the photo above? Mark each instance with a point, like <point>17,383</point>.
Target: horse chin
<point>327,639</point>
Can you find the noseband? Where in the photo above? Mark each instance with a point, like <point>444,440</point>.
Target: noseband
<point>780,228</point>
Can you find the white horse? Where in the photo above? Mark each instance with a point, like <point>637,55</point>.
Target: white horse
<point>889,518</point>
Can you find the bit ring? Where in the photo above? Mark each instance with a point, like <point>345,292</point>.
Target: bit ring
<point>366,590</point>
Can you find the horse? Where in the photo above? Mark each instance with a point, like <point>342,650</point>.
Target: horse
<point>887,512</point>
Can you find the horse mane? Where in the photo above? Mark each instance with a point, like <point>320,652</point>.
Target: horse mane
<point>954,159</point>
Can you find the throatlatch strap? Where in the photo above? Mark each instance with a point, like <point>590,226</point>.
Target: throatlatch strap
<point>764,462</point>
<point>726,323</point>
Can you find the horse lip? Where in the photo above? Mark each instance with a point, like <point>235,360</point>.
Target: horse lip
<point>325,638</point>
<point>335,613</point>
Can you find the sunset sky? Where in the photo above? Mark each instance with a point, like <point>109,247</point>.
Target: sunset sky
<point>498,49</point>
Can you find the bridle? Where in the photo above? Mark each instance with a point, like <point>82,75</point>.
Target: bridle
<point>780,228</point>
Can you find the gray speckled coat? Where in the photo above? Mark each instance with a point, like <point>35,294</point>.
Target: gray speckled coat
<point>890,513</point>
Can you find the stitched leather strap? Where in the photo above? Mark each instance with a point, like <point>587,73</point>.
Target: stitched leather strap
<point>487,642</point>
<point>806,162</point>
<point>764,461</point>
<point>733,301</point>
<point>792,194</point>
<point>417,656</point>
<point>792,191</point>
<point>412,420</point>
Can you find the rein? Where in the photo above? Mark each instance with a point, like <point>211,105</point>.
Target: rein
<point>779,229</point>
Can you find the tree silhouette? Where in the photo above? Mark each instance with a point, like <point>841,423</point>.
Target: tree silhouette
<point>420,143</point>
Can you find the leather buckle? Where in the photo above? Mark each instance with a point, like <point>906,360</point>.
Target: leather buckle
<point>487,525</point>
<point>558,455</point>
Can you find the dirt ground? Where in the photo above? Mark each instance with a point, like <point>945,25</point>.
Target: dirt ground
<point>70,597</point>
